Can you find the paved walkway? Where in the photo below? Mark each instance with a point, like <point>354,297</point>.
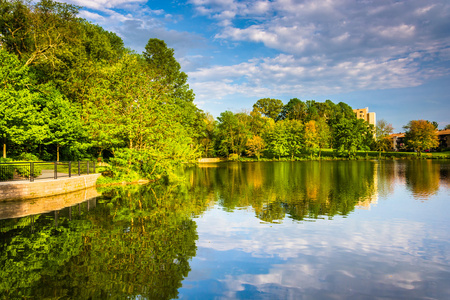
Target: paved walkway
<point>50,174</point>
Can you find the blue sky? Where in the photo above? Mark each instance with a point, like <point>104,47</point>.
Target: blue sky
<point>390,56</point>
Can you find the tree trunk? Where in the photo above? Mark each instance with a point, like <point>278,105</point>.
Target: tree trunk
<point>4,146</point>
<point>57,152</point>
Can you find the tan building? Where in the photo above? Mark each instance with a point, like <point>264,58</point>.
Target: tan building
<point>363,113</point>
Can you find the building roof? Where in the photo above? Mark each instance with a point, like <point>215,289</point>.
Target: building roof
<point>439,132</point>
<point>400,134</point>
<point>444,132</point>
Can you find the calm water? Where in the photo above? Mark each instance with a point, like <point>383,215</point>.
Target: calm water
<point>285,230</point>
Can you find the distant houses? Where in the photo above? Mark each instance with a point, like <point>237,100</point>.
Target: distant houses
<point>398,140</point>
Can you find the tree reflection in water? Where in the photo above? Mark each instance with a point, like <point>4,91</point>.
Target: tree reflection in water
<point>137,242</point>
<point>298,189</point>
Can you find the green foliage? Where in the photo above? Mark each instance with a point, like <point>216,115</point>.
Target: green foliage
<point>421,135</point>
<point>268,107</point>
<point>21,120</point>
<point>136,241</point>
<point>232,133</point>
<point>383,131</point>
<point>352,135</point>
<point>84,94</point>
<point>6,171</point>
<point>27,157</point>
<point>161,58</point>
<point>300,190</point>
<point>295,109</point>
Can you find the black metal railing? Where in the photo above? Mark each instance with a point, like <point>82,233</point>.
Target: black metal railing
<point>13,171</point>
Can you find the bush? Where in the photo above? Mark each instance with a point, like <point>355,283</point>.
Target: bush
<point>24,171</point>
<point>233,157</point>
<point>27,157</point>
<point>6,172</point>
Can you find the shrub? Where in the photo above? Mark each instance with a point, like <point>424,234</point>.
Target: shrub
<point>27,157</point>
<point>6,172</point>
<point>24,170</point>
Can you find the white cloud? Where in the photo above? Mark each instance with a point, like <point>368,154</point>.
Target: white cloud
<point>286,74</point>
<point>103,4</point>
<point>362,255</point>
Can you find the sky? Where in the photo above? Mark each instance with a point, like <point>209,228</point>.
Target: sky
<point>390,56</point>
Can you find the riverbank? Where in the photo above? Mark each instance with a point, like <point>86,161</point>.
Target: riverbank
<point>331,155</point>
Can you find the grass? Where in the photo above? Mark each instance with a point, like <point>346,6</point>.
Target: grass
<point>330,154</point>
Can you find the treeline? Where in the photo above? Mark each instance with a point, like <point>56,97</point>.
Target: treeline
<point>275,130</point>
<point>71,90</point>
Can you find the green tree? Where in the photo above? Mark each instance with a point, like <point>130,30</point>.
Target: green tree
<point>421,135</point>
<point>21,121</point>
<point>311,137</point>
<point>312,109</point>
<point>351,135</point>
<point>207,139</point>
<point>295,109</point>
<point>161,58</point>
<point>39,32</point>
<point>383,132</point>
<point>268,107</point>
<point>129,109</point>
<point>295,136</point>
<point>323,134</point>
<point>232,133</point>
<point>63,122</point>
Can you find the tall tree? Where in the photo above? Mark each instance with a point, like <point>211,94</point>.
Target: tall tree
<point>268,107</point>
<point>63,122</point>
<point>295,109</point>
<point>351,135</point>
<point>162,59</point>
<point>39,32</point>
<point>255,146</point>
<point>295,136</point>
<point>311,137</point>
<point>232,133</point>
<point>383,132</point>
<point>323,134</point>
<point>21,121</point>
<point>276,139</point>
<point>421,135</point>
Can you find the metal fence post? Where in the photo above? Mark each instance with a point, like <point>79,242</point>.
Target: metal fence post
<point>78,168</point>
<point>70,169</point>
<point>31,171</point>
<point>94,166</point>
<point>55,170</point>
<point>87,167</point>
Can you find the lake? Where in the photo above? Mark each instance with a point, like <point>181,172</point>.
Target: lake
<point>256,230</point>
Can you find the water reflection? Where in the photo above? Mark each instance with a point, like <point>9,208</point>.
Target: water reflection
<point>423,178</point>
<point>137,241</point>
<point>400,250</point>
<point>20,208</point>
<point>297,189</point>
<point>287,230</point>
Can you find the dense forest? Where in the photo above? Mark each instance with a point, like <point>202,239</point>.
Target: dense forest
<point>71,90</point>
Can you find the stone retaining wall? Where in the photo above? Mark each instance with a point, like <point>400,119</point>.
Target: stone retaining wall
<point>45,188</point>
<point>21,208</point>
<point>210,160</point>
